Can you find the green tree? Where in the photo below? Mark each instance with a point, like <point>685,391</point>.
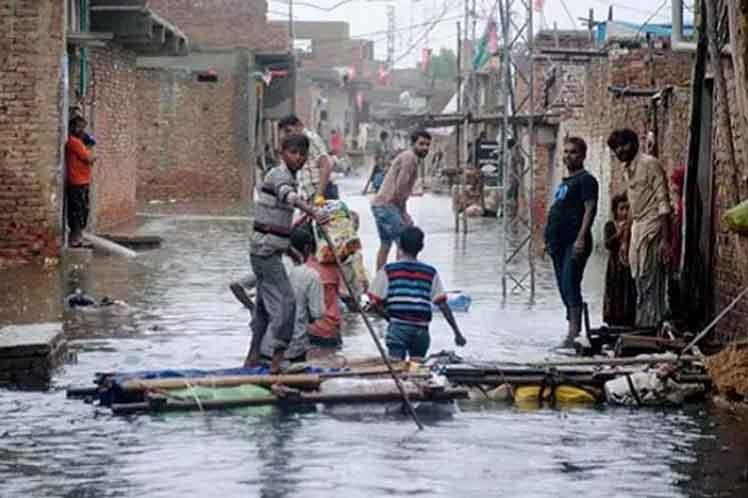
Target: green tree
<point>444,65</point>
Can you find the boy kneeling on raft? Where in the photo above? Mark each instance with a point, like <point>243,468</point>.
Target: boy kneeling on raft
<point>403,292</point>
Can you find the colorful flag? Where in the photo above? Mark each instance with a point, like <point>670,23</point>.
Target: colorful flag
<point>539,4</point>
<point>487,45</point>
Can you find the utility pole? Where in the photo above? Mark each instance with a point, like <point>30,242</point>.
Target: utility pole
<point>291,34</point>
<point>390,36</point>
<point>292,53</point>
<point>517,64</point>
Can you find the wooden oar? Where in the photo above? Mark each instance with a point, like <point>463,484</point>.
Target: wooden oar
<point>382,352</point>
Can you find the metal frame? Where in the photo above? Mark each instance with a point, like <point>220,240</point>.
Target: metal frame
<point>518,255</point>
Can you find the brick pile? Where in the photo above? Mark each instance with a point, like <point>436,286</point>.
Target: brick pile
<point>31,46</point>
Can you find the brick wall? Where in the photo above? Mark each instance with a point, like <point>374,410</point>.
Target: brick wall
<point>191,143</point>
<point>224,23</point>
<point>31,47</point>
<point>731,250</point>
<point>113,114</point>
<point>603,111</point>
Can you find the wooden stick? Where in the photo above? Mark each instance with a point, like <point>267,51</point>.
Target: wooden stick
<point>308,381</point>
<point>714,322</point>
<point>304,381</point>
<point>169,405</point>
<point>596,362</point>
<point>382,352</point>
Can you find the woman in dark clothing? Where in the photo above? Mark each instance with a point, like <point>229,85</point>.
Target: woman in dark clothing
<point>619,304</point>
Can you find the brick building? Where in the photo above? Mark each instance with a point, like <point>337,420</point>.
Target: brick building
<point>715,256</point>
<point>32,46</point>
<point>195,127</point>
<point>199,134</point>
<point>586,91</point>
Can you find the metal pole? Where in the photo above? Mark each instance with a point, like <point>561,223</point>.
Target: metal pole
<point>504,125</point>
<point>291,33</point>
<point>531,151</point>
<point>458,129</point>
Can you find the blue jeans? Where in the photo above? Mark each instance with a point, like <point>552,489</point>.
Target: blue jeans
<point>407,340</point>
<point>390,224</point>
<point>569,269</point>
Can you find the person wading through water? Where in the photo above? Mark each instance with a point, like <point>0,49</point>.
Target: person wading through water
<point>650,251</point>
<point>568,236</point>
<point>390,204</point>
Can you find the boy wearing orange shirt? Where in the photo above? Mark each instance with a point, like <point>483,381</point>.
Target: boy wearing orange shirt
<point>78,161</point>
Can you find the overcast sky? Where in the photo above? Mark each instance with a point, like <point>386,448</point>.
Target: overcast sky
<point>368,18</point>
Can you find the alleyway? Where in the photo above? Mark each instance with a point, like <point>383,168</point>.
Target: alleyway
<point>183,315</point>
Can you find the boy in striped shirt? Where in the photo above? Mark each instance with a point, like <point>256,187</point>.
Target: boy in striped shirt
<point>403,292</point>
<point>273,215</point>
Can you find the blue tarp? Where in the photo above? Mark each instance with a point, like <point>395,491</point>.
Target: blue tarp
<point>115,393</point>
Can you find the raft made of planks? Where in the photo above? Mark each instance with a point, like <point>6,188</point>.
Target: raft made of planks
<point>518,376</point>
<point>160,403</point>
<point>298,381</point>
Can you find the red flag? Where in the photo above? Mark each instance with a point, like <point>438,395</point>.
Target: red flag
<point>539,4</point>
<point>425,59</point>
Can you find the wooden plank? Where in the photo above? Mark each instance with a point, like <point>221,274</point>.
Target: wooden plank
<point>168,405</point>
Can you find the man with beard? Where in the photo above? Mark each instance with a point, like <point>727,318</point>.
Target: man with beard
<point>649,250</point>
<point>389,205</point>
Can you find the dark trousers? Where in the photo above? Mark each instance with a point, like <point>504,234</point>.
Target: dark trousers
<point>76,198</point>
<point>569,269</point>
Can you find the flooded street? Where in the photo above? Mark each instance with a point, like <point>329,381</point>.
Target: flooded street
<point>182,314</point>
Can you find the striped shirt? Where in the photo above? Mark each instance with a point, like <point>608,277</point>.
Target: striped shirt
<point>273,213</point>
<point>407,289</point>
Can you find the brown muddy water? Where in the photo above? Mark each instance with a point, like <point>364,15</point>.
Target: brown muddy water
<point>181,314</point>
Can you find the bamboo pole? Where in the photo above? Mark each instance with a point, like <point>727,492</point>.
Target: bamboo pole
<point>304,381</point>
<point>161,404</point>
<point>377,342</point>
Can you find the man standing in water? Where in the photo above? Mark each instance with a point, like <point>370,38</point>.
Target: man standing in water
<point>650,249</point>
<point>568,237</point>
<point>389,206</point>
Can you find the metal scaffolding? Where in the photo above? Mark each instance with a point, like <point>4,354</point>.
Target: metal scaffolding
<point>516,89</point>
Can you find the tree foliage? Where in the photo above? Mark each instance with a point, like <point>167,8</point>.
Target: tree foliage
<point>444,65</point>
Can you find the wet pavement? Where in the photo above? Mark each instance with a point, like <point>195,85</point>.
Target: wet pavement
<point>181,314</point>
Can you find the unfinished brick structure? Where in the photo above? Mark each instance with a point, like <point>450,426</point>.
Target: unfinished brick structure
<point>730,186</point>
<point>211,24</point>
<point>576,91</point>
<point>114,121</point>
<point>32,44</point>
<point>194,136</point>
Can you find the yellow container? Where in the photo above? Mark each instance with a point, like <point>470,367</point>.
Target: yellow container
<point>564,394</point>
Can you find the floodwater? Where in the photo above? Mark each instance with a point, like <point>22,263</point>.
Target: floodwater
<point>182,315</point>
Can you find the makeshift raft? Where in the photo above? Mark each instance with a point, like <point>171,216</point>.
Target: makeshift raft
<point>648,380</point>
<point>186,390</point>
